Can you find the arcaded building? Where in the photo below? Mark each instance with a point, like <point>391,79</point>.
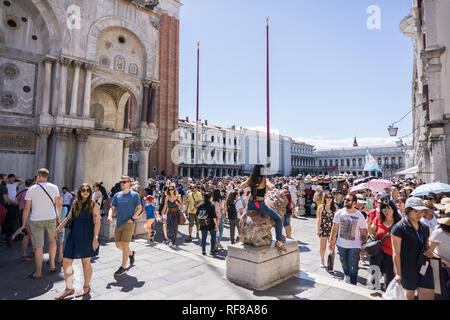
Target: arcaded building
<point>85,85</point>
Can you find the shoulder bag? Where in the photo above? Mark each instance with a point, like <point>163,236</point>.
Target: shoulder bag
<point>373,247</point>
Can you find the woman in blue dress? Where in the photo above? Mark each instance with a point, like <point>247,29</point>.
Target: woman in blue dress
<point>82,240</point>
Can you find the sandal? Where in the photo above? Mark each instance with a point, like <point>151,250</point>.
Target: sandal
<point>281,246</point>
<point>65,294</point>
<point>52,270</point>
<point>83,292</point>
<point>26,259</point>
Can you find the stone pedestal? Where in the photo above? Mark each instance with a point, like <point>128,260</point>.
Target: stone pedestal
<point>107,230</point>
<point>260,268</point>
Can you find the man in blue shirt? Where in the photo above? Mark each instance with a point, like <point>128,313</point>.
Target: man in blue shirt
<point>127,205</point>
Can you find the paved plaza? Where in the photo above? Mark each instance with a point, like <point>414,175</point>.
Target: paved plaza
<point>161,272</point>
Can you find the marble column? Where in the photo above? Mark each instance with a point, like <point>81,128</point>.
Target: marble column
<point>144,148</point>
<point>64,64</point>
<point>80,164</point>
<point>181,172</point>
<point>48,63</point>
<point>152,102</point>
<point>126,153</point>
<point>42,144</point>
<point>76,80</point>
<point>87,90</point>
<point>145,101</point>
<point>60,155</point>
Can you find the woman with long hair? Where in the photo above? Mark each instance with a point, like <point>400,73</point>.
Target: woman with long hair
<point>82,240</point>
<point>172,205</point>
<point>325,216</point>
<point>220,212</point>
<point>259,183</point>
<point>382,225</point>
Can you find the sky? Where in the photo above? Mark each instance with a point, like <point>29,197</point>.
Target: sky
<point>331,78</point>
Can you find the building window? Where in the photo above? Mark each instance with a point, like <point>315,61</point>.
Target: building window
<point>212,138</point>
<point>320,163</point>
<point>348,162</point>
<point>354,162</point>
<point>342,162</point>
<point>360,162</point>
<point>325,163</point>
<point>192,136</point>
<point>379,161</point>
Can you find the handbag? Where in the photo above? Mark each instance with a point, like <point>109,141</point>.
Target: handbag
<point>181,219</point>
<point>373,247</point>
<point>330,261</point>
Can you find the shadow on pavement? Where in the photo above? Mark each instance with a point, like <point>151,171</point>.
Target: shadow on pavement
<point>288,289</point>
<point>126,282</point>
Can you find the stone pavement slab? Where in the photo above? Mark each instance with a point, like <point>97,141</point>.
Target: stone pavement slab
<point>161,272</point>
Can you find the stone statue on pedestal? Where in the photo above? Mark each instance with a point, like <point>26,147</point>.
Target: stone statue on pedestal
<point>255,228</point>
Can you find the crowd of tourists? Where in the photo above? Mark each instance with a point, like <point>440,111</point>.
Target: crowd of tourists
<point>411,235</point>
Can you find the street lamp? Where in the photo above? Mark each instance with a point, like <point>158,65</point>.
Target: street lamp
<point>392,131</point>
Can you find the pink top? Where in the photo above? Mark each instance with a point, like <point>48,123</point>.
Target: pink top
<point>219,209</point>
<point>20,197</point>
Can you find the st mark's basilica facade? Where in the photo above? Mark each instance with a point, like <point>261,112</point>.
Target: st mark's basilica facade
<point>87,85</point>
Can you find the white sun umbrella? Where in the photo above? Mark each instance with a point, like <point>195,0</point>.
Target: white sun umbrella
<point>435,187</point>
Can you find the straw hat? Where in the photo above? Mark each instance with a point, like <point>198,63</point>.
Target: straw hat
<point>327,179</point>
<point>445,220</point>
<point>444,205</point>
<point>314,179</point>
<point>308,179</point>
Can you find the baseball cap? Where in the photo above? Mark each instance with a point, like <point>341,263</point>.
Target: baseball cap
<point>415,203</point>
<point>149,198</point>
<point>11,175</point>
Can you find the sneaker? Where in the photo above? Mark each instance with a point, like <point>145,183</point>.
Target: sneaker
<point>322,263</point>
<point>132,259</point>
<point>204,253</point>
<point>347,279</point>
<point>165,241</point>
<point>213,252</point>
<point>189,239</point>
<point>120,271</point>
<point>173,246</point>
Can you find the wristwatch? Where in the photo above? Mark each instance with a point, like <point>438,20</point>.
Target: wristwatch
<point>96,237</point>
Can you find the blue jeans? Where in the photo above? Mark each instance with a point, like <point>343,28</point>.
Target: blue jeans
<point>350,259</point>
<point>213,239</point>
<point>220,233</point>
<point>265,210</point>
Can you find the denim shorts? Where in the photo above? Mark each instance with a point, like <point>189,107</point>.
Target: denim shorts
<point>287,221</point>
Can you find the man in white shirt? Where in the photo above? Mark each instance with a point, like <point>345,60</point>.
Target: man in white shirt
<point>12,185</point>
<point>67,198</point>
<point>43,198</point>
<point>351,229</point>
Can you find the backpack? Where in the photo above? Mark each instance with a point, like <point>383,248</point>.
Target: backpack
<point>231,210</point>
<point>202,215</point>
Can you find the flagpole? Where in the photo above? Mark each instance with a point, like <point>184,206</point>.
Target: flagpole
<point>196,123</point>
<point>268,109</point>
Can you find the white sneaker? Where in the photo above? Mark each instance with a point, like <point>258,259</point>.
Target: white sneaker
<point>347,279</point>
<point>322,264</point>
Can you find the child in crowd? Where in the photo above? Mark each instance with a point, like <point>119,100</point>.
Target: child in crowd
<point>150,212</point>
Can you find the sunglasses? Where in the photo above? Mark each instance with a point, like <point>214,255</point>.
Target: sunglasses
<point>123,182</point>
<point>347,199</point>
<point>85,190</point>
<point>171,189</point>
<point>329,198</point>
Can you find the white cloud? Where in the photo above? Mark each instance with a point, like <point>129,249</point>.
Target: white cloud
<point>321,143</point>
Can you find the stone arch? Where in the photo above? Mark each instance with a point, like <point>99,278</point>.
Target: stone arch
<point>50,17</point>
<point>134,92</point>
<point>145,40</point>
